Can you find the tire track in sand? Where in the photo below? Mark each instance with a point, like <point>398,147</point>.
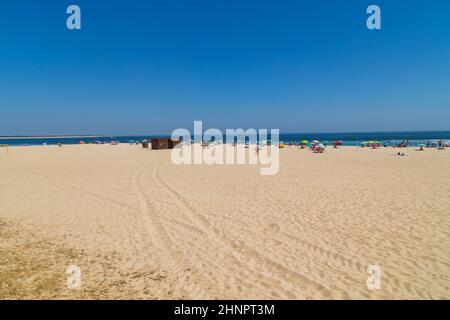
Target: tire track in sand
<point>194,284</point>
<point>273,273</point>
<point>341,262</point>
<point>195,253</point>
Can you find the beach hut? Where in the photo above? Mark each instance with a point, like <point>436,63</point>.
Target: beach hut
<point>163,143</point>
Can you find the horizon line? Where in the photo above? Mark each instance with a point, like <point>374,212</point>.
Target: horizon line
<point>168,134</point>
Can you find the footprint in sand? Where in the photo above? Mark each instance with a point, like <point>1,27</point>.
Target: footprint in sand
<point>272,228</point>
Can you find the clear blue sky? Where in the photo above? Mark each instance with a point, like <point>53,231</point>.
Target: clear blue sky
<point>142,67</point>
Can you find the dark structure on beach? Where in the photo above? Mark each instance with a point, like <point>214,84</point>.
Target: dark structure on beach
<point>163,143</point>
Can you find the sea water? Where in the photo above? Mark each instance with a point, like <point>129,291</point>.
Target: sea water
<point>349,139</point>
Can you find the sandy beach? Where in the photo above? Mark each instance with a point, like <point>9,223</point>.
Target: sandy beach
<point>140,227</point>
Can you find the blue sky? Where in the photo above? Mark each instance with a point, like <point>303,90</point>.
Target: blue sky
<point>142,67</point>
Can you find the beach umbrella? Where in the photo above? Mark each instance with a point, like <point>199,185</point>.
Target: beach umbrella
<point>315,142</point>
<point>304,142</point>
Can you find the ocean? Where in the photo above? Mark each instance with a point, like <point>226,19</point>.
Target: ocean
<point>350,139</point>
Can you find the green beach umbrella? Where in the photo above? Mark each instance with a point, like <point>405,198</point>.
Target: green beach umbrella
<point>304,142</point>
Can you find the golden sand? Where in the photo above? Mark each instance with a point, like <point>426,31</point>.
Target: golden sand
<point>140,227</point>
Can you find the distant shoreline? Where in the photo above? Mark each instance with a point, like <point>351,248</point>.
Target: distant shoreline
<point>414,138</point>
